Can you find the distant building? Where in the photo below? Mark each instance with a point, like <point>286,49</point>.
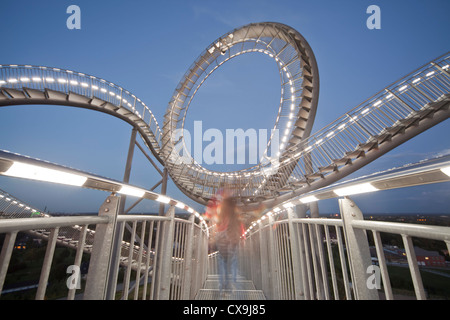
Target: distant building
<point>429,258</point>
<point>424,257</point>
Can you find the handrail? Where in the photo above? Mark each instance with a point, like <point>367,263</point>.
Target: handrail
<point>398,106</point>
<point>17,225</point>
<point>413,230</point>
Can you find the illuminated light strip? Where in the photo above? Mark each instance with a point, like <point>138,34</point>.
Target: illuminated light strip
<point>36,172</point>
<point>180,205</point>
<point>131,191</point>
<point>308,199</point>
<point>403,87</point>
<point>446,170</point>
<point>356,189</point>
<point>288,205</point>
<point>163,199</point>
<point>28,171</point>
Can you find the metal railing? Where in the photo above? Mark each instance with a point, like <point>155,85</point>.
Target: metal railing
<point>289,256</point>
<point>400,105</point>
<point>396,105</point>
<point>163,257</point>
<point>40,78</point>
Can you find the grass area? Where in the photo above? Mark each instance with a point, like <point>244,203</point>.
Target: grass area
<point>25,268</point>
<point>436,286</point>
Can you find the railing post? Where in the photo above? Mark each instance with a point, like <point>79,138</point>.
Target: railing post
<point>414,268</point>
<point>166,255</point>
<point>99,265</point>
<point>296,258</point>
<point>117,245</point>
<point>273,273</point>
<point>301,213</point>
<point>78,257</point>
<point>358,249</point>
<point>317,253</point>
<point>186,286</point>
<point>5,256</point>
<point>45,271</point>
<point>264,258</point>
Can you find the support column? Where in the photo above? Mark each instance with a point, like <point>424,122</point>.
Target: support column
<point>358,249</point>
<point>186,287</point>
<point>100,263</point>
<point>5,256</point>
<point>296,257</point>
<point>163,191</point>
<point>166,255</point>
<point>117,246</point>
<point>301,213</point>
<point>264,258</point>
<point>45,271</point>
<point>275,292</point>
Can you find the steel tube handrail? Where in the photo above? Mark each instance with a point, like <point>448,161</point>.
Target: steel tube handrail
<point>412,230</point>
<point>140,218</point>
<point>22,224</point>
<point>319,221</point>
<point>397,102</point>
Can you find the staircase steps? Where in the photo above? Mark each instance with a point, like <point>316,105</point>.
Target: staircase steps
<point>243,290</point>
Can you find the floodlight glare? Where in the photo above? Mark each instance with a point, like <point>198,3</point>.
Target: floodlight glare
<point>130,191</point>
<point>308,199</point>
<point>180,205</point>
<point>446,170</point>
<point>28,171</point>
<point>163,199</point>
<point>356,189</point>
<point>288,205</point>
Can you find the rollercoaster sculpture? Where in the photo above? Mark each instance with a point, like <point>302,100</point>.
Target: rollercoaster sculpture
<point>304,162</point>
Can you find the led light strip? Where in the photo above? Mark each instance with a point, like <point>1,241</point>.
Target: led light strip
<point>21,169</point>
<point>360,188</point>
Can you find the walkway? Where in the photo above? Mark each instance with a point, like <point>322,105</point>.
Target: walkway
<point>245,290</point>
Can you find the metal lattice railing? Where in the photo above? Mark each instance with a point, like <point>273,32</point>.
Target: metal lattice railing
<point>99,91</point>
<point>362,129</point>
<point>144,246</point>
<point>289,256</point>
<point>400,105</point>
<point>355,131</point>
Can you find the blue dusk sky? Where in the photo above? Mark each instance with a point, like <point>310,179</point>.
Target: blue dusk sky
<point>146,47</point>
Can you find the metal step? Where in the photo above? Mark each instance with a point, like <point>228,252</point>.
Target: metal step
<point>215,294</point>
<point>243,290</point>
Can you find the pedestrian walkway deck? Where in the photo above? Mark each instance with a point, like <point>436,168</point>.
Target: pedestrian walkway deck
<point>244,290</point>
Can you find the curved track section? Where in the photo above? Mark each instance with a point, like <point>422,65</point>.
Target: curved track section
<point>13,208</point>
<point>299,96</point>
<point>26,84</point>
<point>306,162</point>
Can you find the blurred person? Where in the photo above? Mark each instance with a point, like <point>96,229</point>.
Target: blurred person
<point>229,229</point>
